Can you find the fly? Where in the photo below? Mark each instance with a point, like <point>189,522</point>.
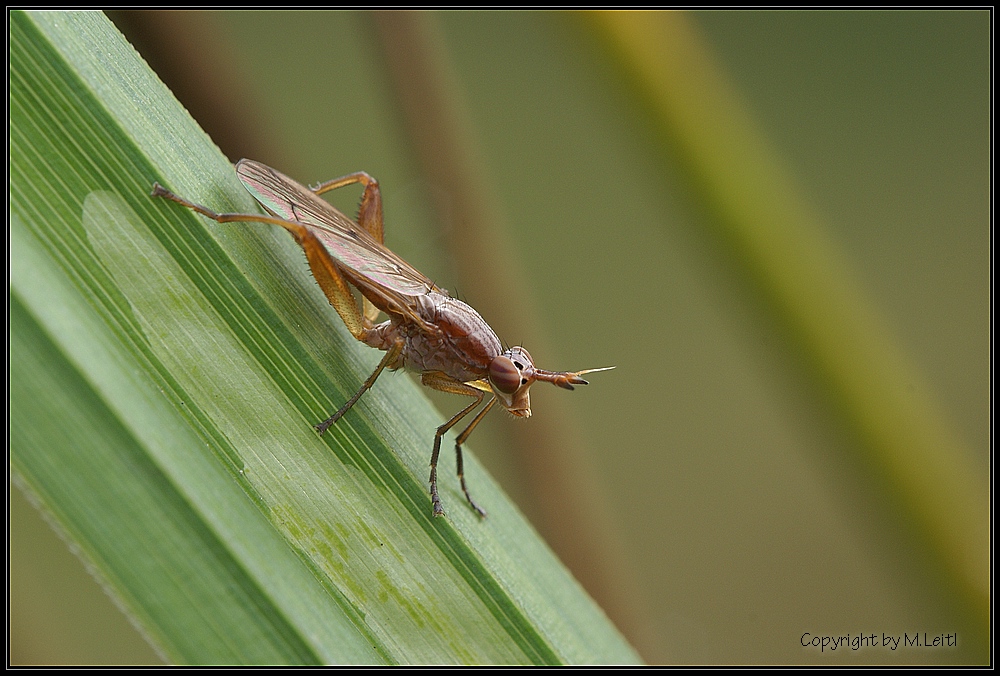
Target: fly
<point>427,330</point>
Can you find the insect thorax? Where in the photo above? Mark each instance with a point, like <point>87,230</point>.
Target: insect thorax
<point>461,343</point>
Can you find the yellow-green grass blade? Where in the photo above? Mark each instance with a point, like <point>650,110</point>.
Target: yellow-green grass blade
<point>165,374</point>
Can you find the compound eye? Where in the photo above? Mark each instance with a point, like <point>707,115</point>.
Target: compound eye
<point>504,375</point>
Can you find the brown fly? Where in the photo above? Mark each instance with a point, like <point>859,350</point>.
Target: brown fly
<point>428,331</point>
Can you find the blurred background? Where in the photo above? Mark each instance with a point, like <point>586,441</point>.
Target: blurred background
<point>711,492</point>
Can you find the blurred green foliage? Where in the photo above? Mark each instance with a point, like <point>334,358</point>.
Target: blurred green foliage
<point>745,513</point>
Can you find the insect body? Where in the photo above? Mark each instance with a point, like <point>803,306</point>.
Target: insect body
<point>428,331</point>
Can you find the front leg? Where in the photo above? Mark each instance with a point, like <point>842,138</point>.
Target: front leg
<point>458,453</point>
<point>444,383</point>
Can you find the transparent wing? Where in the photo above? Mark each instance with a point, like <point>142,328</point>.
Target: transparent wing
<point>366,262</point>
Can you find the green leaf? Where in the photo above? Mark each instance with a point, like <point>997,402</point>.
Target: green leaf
<point>165,374</point>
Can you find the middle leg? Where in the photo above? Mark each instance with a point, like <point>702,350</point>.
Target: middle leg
<point>369,215</point>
